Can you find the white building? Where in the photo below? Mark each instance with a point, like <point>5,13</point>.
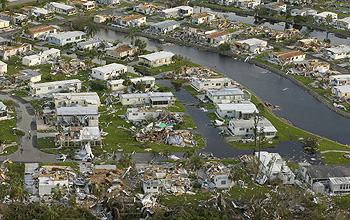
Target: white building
<point>72,99</point>
<point>146,9</point>
<point>216,38</point>
<point>3,111</point>
<point>245,128</point>
<point>227,95</point>
<point>42,58</point>
<point>276,6</point>
<point>156,99</point>
<point>29,75</point>
<point>203,17</point>
<point>109,71</point>
<point>31,60</point>
<point>273,166</point>
<point>157,59</point>
<point>339,80</point>
<point>321,17</point>
<point>61,8</point>
<point>132,21</point>
<point>90,44</point>
<point>41,32</point>
<point>338,52</point>
<point>77,116</point>
<point>252,45</point>
<point>342,92</point>
<point>344,23</point>
<point>288,57</point>
<point>121,51</point>
<point>247,4</point>
<point>64,38</point>
<point>4,23</point>
<point>201,84</point>
<point>42,89</point>
<point>3,68</point>
<point>339,185</point>
<point>117,85</point>
<point>169,13</point>
<point>48,182</point>
<point>108,2</point>
<point>164,27</point>
<point>141,114</point>
<point>13,18</point>
<point>243,110</point>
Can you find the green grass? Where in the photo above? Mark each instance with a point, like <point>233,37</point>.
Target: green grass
<point>9,150</point>
<point>342,202</point>
<point>112,60</point>
<point>191,90</point>
<point>334,158</point>
<point>48,142</point>
<point>6,133</point>
<point>177,107</point>
<point>212,116</point>
<point>74,165</point>
<point>188,123</point>
<point>15,169</point>
<point>20,93</point>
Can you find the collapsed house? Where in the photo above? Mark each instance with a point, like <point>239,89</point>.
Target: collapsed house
<point>8,51</point>
<point>217,176</point>
<point>41,58</point>
<point>250,46</point>
<point>68,67</point>
<point>87,99</point>
<point>79,136</point>
<point>272,166</point>
<point>155,99</point>
<point>311,67</point>
<point>3,111</point>
<point>77,116</point>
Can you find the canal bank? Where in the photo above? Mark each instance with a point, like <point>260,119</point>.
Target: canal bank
<point>242,58</point>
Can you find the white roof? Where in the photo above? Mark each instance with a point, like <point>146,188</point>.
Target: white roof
<point>170,10</point>
<point>93,41</point>
<point>145,78</point>
<point>2,105</point>
<point>31,57</point>
<point>325,13</point>
<point>105,167</point>
<point>343,89</point>
<point>40,11</point>
<point>117,81</point>
<point>61,5</point>
<point>157,55</point>
<point>340,77</point>
<point>77,110</point>
<point>252,41</point>
<point>2,20</point>
<point>273,162</point>
<point>339,180</point>
<point>231,90</point>
<point>88,96</point>
<point>202,80</point>
<point>346,20</point>
<point>110,67</point>
<point>72,81</point>
<point>268,127</point>
<point>148,94</point>
<point>2,63</point>
<point>184,7</point>
<point>339,49</point>
<point>69,34</point>
<point>165,24</point>
<point>50,51</point>
<point>90,133</point>
<point>242,107</point>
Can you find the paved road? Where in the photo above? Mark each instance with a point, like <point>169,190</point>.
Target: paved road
<point>26,122</point>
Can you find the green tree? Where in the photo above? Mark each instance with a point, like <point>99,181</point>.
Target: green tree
<point>140,86</point>
<point>15,189</point>
<point>196,163</point>
<point>126,160</point>
<point>91,29</point>
<point>159,48</point>
<point>59,192</point>
<point>224,47</point>
<point>141,45</point>
<point>329,19</point>
<point>78,24</point>
<point>178,60</point>
<point>155,154</point>
<point>4,4</point>
<point>131,36</point>
<point>166,154</point>
<point>310,145</point>
<point>189,153</point>
<point>17,37</point>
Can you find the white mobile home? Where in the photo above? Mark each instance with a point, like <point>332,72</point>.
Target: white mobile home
<point>243,110</point>
<point>109,71</point>
<point>201,84</point>
<point>64,38</point>
<point>43,89</point>
<point>245,128</point>
<point>342,92</point>
<point>338,52</point>
<point>227,95</point>
<point>339,80</point>
<point>3,68</point>
<point>156,99</point>
<point>157,59</point>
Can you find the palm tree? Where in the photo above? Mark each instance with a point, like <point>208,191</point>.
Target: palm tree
<point>58,192</point>
<point>100,55</point>
<point>155,154</point>
<point>16,37</point>
<point>141,45</point>
<point>189,153</point>
<point>16,190</point>
<point>88,62</point>
<point>126,160</point>
<point>4,4</point>
<point>91,29</point>
<point>131,36</point>
<point>166,154</point>
<point>196,163</point>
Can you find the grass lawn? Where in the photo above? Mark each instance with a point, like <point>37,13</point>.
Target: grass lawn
<point>48,142</point>
<point>9,150</point>
<point>6,133</point>
<point>191,90</point>
<point>334,158</point>
<point>20,93</point>
<point>74,165</point>
<point>212,116</point>
<point>188,124</point>
<point>177,107</point>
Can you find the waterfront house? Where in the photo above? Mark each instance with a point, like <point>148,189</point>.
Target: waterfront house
<point>44,89</point>
<point>273,166</point>
<point>13,18</point>
<point>61,8</point>
<point>109,71</point>
<point>334,178</point>
<point>288,57</point>
<point>4,23</point>
<point>164,27</point>
<point>252,45</point>
<point>241,110</point>
<point>337,53</point>
<point>102,18</point>
<point>156,59</point>
<point>132,21</point>
<point>245,128</point>
<point>77,116</point>
<point>9,51</point>
<point>203,17</point>
<point>339,80</point>
<point>276,6</point>
<point>86,99</point>
<point>86,5</point>
<point>344,23</point>
<point>341,92</point>
<point>247,4</point>
<point>121,51</point>
<point>40,32</point>
<point>29,75</point>
<point>227,95</point>
<point>155,99</point>
<point>64,38</point>
<point>3,68</point>
<point>117,85</point>
<point>321,17</point>
<point>201,84</point>
<point>216,38</point>
<point>108,2</point>
<point>146,9</point>
<point>90,44</point>
<point>305,44</point>
<point>311,66</point>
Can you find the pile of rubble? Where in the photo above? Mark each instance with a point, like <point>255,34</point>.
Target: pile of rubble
<point>198,72</point>
<point>223,24</point>
<point>68,67</point>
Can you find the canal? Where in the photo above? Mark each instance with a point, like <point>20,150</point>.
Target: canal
<point>321,35</point>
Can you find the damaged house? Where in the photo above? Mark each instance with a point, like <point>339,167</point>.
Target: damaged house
<point>310,67</point>
<point>79,136</point>
<point>155,99</point>
<point>41,58</point>
<point>287,57</point>
<point>87,99</point>
<point>40,32</point>
<point>132,21</point>
<point>230,94</point>
<point>44,89</point>
<point>218,174</point>
<point>3,111</point>
<point>251,46</point>
<point>9,51</point>
<point>217,37</point>
<point>51,176</point>
<point>203,17</point>
<point>77,116</point>
<point>156,59</point>
<point>121,51</point>
<point>118,85</point>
